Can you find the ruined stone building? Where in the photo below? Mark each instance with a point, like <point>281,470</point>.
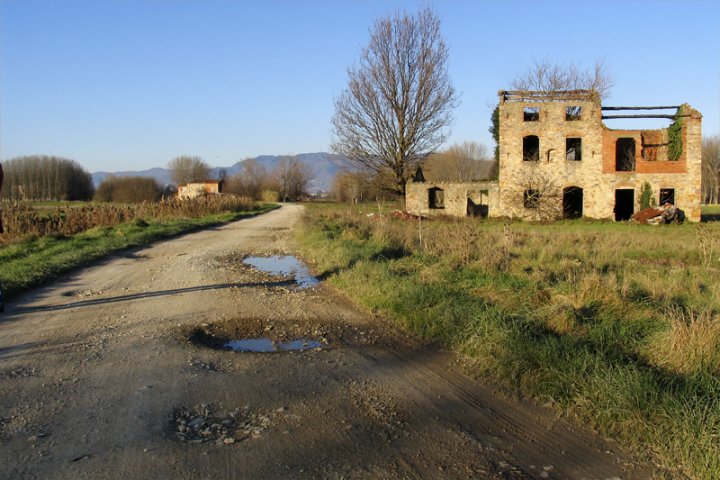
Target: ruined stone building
<point>558,159</point>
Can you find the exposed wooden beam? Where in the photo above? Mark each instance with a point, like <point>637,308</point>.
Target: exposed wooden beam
<point>642,108</point>
<point>671,117</point>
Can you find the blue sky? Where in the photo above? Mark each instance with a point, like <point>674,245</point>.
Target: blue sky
<point>128,85</point>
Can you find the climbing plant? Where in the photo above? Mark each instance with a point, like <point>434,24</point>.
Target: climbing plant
<point>495,130</point>
<point>646,198</point>
<point>675,143</point>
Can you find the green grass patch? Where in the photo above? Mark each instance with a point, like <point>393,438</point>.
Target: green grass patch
<point>616,325</point>
<point>36,261</point>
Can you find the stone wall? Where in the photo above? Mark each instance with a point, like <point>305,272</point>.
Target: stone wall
<point>455,197</point>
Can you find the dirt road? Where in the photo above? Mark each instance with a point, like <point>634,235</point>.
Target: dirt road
<point>111,373</point>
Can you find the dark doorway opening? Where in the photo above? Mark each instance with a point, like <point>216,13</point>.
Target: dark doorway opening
<point>624,203</point>
<point>572,202</point>
<point>667,195</point>
<point>436,198</point>
<point>625,155</point>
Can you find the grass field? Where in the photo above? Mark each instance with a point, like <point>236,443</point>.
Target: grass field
<point>613,324</point>
<point>37,259</point>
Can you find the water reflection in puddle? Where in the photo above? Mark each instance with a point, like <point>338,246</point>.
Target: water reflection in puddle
<point>265,345</point>
<point>285,265</point>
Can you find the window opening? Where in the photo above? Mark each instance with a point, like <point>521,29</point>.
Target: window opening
<point>531,198</point>
<point>573,113</point>
<point>625,155</point>
<point>667,195</point>
<point>531,148</point>
<point>573,149</point>
<point>531,114</point>
<point>436,198</point>
<point>624,203</point>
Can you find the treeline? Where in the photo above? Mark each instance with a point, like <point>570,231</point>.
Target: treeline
<point>128,190</point>
<point>45,178</point>
<point>288,181</point>
<point>462,162</point>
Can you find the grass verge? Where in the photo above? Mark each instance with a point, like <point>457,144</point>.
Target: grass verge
<point>615,325</point>
<point>36,261</point>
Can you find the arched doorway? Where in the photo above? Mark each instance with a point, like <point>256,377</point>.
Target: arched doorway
<point>572,202</point>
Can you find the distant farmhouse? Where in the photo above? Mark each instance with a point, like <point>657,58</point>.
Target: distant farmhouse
<point>200,189</point>
<point>558,159</point>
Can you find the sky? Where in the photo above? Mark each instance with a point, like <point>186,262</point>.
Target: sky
<point>130,84</point>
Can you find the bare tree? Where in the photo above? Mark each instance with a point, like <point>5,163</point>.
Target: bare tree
<point>711,169</point>
<point>250,181</point>
<point>540,193</point>
<point>186,169</point>
<point>292,178</point>
<point>399,100</point>
<point>546,76</point>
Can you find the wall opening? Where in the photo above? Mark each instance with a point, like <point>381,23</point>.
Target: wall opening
<point>573,149</point>
<point>572,202</point>
<point>477,204</point>
<point>531,114</point>
<point>573,113</point>
<point>531,198</point>
<point>531,148</point>
<point>624,203</point>
<point>625,155</point>
<point>436,198</point>
<point>667,195</point>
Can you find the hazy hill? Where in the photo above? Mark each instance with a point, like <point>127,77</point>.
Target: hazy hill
<point>325,165</point>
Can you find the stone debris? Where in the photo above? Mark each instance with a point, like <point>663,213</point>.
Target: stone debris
<point>664,214</point>
<point>202,424</point>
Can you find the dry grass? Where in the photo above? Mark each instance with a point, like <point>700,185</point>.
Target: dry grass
<point>690,345</point>
<point>21,220</point>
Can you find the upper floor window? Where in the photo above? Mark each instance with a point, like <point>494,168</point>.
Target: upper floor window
<point>573,148</point>
<point>531,114</point>
<point>531,148</point>
<point>573,113</point>
<point>625,155</point>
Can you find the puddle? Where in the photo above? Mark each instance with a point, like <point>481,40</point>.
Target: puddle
<point>284,265</point>
<point>265,345</point>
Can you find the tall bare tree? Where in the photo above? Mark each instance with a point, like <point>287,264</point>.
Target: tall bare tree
<point>292,178</point>
<point>546,76</point>
<point>711,169</point>
<point>398,104</point>
<point>186,169</point>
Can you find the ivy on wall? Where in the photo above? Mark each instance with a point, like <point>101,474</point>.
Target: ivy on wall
<point>675,142</point>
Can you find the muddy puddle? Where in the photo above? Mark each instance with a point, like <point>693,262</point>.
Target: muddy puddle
<point>265,345</point>
<point>285,266</point>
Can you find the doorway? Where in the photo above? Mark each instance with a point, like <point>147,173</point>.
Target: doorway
<point>624,204</point>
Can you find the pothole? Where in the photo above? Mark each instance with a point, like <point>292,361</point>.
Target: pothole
<point>265,345</point>
<point>202,424</point>
<point>217,339</point>
<point>285,266</point>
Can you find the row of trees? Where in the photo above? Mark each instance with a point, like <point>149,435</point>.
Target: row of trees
<point>288,180</point>
<point>45,178</point>
<point>460,162</point>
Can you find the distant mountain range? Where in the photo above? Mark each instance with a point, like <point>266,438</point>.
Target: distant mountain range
<point>325,166</point>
